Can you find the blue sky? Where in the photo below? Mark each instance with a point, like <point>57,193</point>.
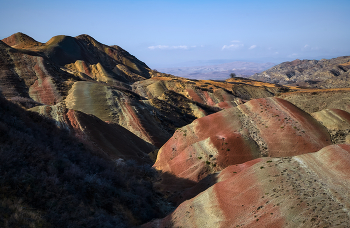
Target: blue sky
<point>184,33</point>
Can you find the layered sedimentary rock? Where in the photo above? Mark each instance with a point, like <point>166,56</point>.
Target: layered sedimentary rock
<point>29,75</point>
<point>44,72</point>
<point>20,40</point>
<point>261,127</point>
<point>231,153</point>
<point>85,56</point>
<point>223,94</point>
<point>337,122</point>
<point>310,190</point>
<point>107,139</point>
<point>126,108</point>
<point>108,82</point>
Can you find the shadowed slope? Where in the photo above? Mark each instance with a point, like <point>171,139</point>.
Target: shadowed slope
<point>29,75</point>
<point>49,179</point>
<point>310,190</point>
<point>107,139</point>
<point>127,109</point>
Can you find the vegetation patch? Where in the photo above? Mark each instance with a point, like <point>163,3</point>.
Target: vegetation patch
<point>60,183</point>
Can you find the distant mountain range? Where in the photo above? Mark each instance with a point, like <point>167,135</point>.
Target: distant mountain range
<point>324,73</point>
<point>220,71</point>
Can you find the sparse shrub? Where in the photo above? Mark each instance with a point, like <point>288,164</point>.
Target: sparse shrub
<point>233,75</point>
<point>62,183</point>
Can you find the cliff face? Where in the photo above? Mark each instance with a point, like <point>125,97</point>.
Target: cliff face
<point>325,73</point>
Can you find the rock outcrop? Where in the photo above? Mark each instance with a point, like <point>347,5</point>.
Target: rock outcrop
<point>337,122</point>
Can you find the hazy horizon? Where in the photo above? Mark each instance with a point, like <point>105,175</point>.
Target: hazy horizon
<point>191,33</point>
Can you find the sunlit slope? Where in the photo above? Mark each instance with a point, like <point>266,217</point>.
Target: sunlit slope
<point>261,127</point>
<point>310,190</point>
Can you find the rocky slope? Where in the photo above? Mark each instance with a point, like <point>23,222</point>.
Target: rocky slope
<point>325,73</point>
<point>238,152</point>
<point>314,100</point>
<point>240,134</point>
<point>109,83</point>
<point>49,178</point>
<point>269,127</point>
<point>100,136</point>
<point>310,190</point>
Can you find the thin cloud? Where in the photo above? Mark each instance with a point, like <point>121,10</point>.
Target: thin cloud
<point>232,46</point>
<point>235,41</point>
<point>306,47</point>
<point>292,55</point>
<point>158,47</point>
<point>166,47</point>
<point>252,47</point>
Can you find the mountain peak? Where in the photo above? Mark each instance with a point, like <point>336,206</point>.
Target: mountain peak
<point>21,40</point>
<point>87,37</point>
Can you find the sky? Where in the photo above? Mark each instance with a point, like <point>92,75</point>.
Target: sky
<point>180,33</point>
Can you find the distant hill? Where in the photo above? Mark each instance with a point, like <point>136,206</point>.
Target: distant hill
<point>218,72</point>
<point>324,73</point>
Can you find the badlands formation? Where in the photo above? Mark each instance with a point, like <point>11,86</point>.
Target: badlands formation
<point>233,153</point>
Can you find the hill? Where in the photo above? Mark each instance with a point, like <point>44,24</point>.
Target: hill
<point>90,136</point>
<point>324,73</point>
